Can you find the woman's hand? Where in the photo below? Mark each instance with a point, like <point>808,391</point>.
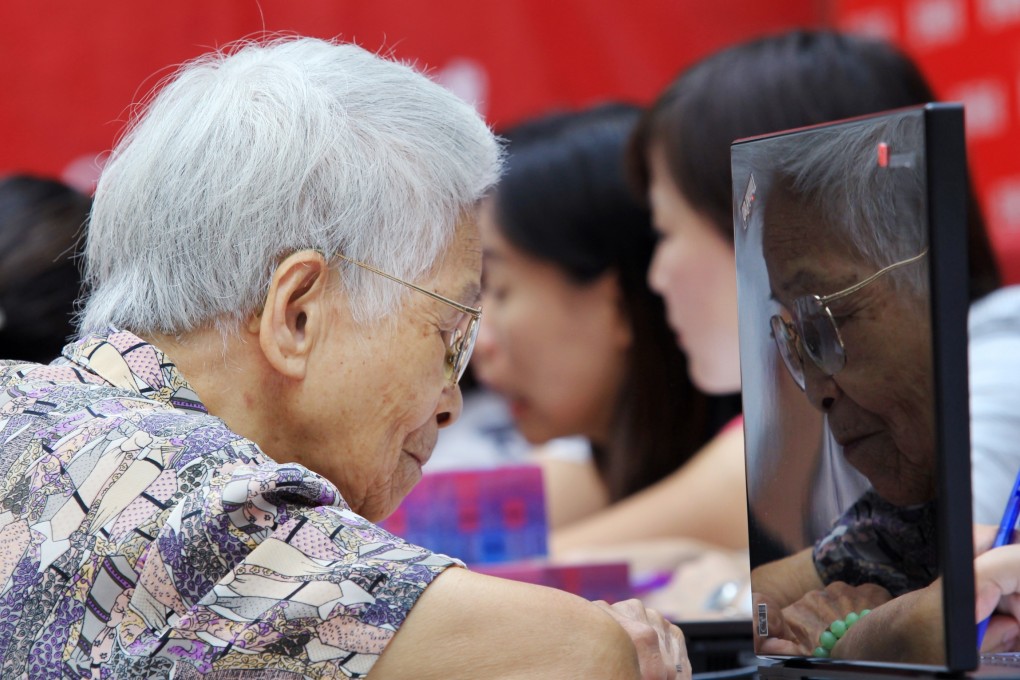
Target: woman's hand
<point>661,650</point>
<point>795,630</point>
<point>997,593</point>
<point>984,536</point>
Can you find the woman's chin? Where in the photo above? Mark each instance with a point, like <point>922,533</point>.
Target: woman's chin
<point>714,377</point>
<point>869,458</point>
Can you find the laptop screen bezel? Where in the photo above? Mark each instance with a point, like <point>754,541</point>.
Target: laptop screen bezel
<point>947,182</point>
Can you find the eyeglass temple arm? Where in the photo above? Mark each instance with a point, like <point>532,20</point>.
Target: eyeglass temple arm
<point>861,284</point>
<point>435,296</point>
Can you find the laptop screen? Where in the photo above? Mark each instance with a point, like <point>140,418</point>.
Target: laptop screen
<point>850,242</point>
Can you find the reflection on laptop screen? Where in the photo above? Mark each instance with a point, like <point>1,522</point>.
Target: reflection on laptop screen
<point>851,260</point>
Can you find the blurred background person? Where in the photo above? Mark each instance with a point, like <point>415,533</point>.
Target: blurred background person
<point>41,221</point>
<point>578,344</point>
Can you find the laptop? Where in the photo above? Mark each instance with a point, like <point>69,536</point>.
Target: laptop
<point>851,253</point>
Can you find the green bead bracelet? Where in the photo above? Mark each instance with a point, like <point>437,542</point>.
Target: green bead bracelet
<point>837,629</point>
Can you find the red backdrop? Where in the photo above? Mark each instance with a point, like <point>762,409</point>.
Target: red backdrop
<point>69,69</point>
<point>970,51</point>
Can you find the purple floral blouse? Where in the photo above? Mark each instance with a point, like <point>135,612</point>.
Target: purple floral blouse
<point>878,542</point>
<point>140,537</point>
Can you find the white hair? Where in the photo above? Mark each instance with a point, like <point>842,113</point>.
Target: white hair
<point>878,211</point>
<point>260,150</point>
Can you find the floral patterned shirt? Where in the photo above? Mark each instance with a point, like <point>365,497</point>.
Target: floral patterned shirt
<point>140,537</point>
<point>878,542</point>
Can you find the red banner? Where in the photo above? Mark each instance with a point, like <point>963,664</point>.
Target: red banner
<point>970,51</point>
<point>70,69</point>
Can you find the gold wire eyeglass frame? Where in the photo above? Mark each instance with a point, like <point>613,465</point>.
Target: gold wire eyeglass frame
<point>787,336</point>
<point>461,344</point>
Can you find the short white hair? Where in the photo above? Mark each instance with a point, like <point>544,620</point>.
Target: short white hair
<point>879,212</point>
<point>256,151</point>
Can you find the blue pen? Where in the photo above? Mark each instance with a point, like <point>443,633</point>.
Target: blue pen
<point>1004,537</point>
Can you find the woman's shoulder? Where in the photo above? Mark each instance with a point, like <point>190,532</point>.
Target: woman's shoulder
<point>997,313</point>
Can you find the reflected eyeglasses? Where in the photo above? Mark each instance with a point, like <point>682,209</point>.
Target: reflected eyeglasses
<point>814,329</point>
<point>462,341</point>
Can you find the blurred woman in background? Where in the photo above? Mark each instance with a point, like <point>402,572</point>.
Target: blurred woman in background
<point>41,220</point>
<point>579,345</point>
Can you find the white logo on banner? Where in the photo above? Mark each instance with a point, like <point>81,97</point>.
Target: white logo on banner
<point>877,23</point>
<point>936,22</point>
<point>995,14</point>
<point>83,172</point>
<point>467,79</point>
<point>986,111</point>
<point>1004,201</point>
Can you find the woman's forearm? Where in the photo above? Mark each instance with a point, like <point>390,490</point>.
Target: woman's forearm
<point>704,500</point>
<point>907,629</point>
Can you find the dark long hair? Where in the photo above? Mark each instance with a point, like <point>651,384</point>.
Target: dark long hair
<point>564,199</point>
<point>40,223</point>
<point>776,83</point>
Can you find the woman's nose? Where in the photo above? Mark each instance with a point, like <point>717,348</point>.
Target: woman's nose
<point>820,388</point>
<point>451,403</point>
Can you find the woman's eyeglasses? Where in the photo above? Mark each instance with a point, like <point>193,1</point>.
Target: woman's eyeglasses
<point>814,329</point>
<point>462,341</point>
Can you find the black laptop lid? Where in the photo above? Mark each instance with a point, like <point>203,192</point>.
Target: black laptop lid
<point>850,241</point>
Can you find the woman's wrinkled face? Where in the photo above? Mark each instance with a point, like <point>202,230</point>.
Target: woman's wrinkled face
<point>694,270</point>
<point>879,405</point>
<point>554,348</point>
<point>379,393</point>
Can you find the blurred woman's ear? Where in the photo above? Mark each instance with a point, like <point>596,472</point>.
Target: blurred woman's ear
<point>619,322</point>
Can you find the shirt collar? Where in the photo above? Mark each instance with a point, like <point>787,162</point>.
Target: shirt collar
<point>126,361</point>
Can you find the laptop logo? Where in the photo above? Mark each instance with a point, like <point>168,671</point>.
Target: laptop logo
<point>745,205</point>
<point>893,160</point>
<point>763,620</point>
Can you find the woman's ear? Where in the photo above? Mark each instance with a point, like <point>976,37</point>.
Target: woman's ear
<point>296,313</point>
<point>608,286</point>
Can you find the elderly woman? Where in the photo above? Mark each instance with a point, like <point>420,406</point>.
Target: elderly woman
<point>844,241</point>
<point>284,270</point>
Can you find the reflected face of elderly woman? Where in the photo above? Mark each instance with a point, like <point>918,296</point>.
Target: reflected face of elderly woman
<point>879,403</point>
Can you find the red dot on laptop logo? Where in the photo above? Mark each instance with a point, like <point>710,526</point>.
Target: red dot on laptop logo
<point>883,155</point>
